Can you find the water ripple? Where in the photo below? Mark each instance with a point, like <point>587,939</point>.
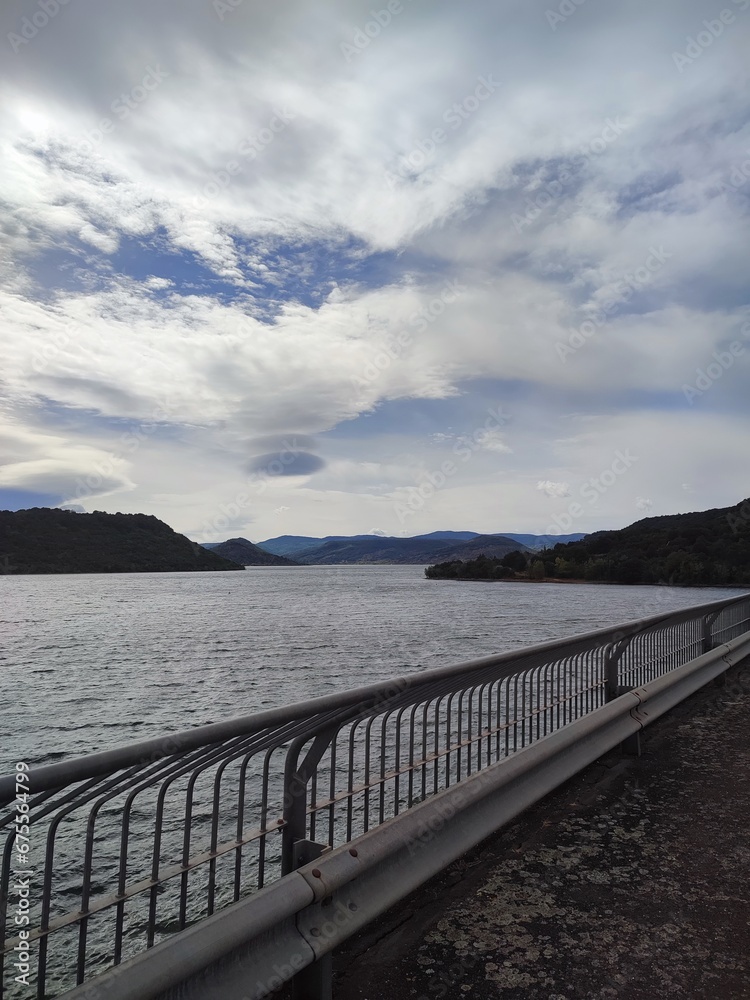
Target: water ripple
<point>93,662</point>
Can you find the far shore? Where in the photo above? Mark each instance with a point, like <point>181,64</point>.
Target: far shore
<point>597,583</point>
<point>524,579</point>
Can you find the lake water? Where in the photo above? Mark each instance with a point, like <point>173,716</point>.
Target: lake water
<point>88,662</point>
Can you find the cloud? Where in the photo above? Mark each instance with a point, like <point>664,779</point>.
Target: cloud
<point>551,489</point>
<point>61,477</point>
<point>642,503</point>
<point>494,440</point>
<point>286,463</point>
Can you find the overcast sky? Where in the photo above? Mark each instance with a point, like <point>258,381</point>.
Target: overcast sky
<point>344,267</point>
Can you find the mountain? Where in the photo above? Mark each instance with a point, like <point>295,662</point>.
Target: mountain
<point>701,548</point>
<point>241,551</point>
<point>306,549</point>
<point>372,549</point>
<point>50,540</point>
<point>290,545</point>
<point>544,541</point>
<point>451,536</point>
<point>486,545</point>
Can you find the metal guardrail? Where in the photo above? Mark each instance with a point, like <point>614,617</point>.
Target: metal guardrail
<point>171,835</point>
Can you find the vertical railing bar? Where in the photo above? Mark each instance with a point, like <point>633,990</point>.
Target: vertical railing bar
<point>313,803</point>
<point>267,758</point>
<point>487,708</point>
<point>448,741</point>
<point>460,715</point>
<point>540,693</point>
<point>186,837</point>
<point>239,827</point>
<point>397,762</point>
<point>350,787</point>
<point>410,792</point>
<point>122,877</point>
<point>368,756</point>
<point>498,710</point>
<point>4,887</point>
<point>425,715</point>
<point>508,718</point>
<point>381,795</point>
<point>86,890</point>
<point>215,805</point>
<point>332,790</point>
<point>47,900</point>
<point>436,762</point>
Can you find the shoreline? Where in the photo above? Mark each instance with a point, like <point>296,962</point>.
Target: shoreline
<point>595,583</point>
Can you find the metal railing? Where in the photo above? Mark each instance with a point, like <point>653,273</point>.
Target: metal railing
<point>131,846</point>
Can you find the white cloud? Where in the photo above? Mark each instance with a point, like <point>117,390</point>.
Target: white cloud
<point>494,440</point>
<point>158,284</point>
<point>551,489</point>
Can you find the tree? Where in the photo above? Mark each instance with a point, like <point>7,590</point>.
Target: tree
<point>536,571</point>
<point>515,560</point>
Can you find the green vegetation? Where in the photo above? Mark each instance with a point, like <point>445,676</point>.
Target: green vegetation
<point>49,540</point>
<point>513,566</point>
<point>705,548</point>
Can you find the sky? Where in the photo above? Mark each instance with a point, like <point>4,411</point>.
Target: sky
<point>343,268</point>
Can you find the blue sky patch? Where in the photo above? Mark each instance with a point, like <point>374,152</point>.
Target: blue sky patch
<point>20,499</point>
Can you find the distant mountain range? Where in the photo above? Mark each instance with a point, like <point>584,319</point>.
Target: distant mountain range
<point>50,540</point>
<point>436,545</point>
<point>241,551</point>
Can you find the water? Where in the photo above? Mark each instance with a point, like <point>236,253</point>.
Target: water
<point>89,662</point>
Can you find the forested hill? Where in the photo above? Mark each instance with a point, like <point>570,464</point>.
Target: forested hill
<point>703,548</point>
<point>241,551</point>
<point>49,540</point>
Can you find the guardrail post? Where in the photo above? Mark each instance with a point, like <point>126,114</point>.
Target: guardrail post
<point>708,624</point>
<point>316,981</point>
<point>296,849</point>
<point>708,643</point>
<point>611,667</point>
<point>613,689</point>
